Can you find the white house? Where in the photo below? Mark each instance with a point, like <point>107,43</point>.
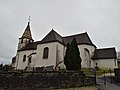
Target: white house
<point>105,58</point>
<point>50,51</point>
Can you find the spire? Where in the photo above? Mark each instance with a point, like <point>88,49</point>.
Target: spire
<point>27,33</point>
<point>29,20</point>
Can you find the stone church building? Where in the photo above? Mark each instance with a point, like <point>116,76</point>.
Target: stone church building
<point>50,51</point>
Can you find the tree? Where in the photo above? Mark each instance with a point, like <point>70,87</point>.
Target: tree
<point>72,58</point>
<point>7,67</point>
<point>1,66</point>
<point>67,56</point>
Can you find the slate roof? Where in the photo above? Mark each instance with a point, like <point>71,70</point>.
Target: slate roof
<point>30,46</point>
<point>54,36</point>
<point>105,53</point>
<point>27,33</point>
<point>51,37</point>
<point>80,38</point>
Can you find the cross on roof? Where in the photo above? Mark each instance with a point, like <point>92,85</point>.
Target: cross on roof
<point>29,20</point>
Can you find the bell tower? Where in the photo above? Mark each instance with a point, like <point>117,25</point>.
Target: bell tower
<point>26,37</point>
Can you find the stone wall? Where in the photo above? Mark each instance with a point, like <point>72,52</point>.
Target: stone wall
<point>36,80</point>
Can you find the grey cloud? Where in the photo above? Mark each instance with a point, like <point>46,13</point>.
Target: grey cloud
<point>100,18</point>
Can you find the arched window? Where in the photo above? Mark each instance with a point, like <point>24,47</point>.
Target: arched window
<point>21,40</point>
<point>24,58</point>
<point>29,59</point>
<point>87,57</point>
<point>45,53</point>
<point>29,41</point>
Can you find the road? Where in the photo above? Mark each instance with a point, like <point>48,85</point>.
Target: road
<point>107,82</point>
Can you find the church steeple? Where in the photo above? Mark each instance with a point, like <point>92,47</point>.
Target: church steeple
<point>26,37</point>
<point>27,33</point>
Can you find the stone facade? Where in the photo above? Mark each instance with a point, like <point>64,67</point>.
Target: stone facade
<point>38,80</point>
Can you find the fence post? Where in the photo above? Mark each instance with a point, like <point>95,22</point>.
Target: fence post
<point>95,76</point>
<point>110,77</point>
<point>104,79</point>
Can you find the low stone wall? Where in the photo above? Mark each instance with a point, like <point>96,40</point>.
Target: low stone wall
<point>36,80</point>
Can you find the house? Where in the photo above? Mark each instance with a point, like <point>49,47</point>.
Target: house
<point>105,58</point>
<point>50,51</point>
<point>118,57</point>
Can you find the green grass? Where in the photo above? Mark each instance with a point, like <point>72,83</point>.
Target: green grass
<point>100,71</point>
<point>119,64</point>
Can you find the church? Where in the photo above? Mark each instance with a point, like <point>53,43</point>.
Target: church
<point>50,52</point>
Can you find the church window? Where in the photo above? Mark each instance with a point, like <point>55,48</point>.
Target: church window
<point>26,41</point>
<point>21,40</point>
<point>86,51</point>
<point>24,58</point>
<point>45,53</point>
<point>29,59</point>
<point>29,41</point>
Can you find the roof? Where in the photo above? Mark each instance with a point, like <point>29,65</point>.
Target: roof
<point>31,54</point>
<point>53,36</point>
<point>80,38</point>
<point>27,33</point>
<point>29,46</point>
<point>105,53</point>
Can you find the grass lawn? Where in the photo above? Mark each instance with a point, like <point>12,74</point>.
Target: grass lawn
<point>119,64</point>
<point>89,71</point>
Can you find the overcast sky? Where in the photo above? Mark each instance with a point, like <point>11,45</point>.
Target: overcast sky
<point>99,18</point>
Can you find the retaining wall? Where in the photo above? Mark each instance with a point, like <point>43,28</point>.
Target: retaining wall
<point>36,80</point>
